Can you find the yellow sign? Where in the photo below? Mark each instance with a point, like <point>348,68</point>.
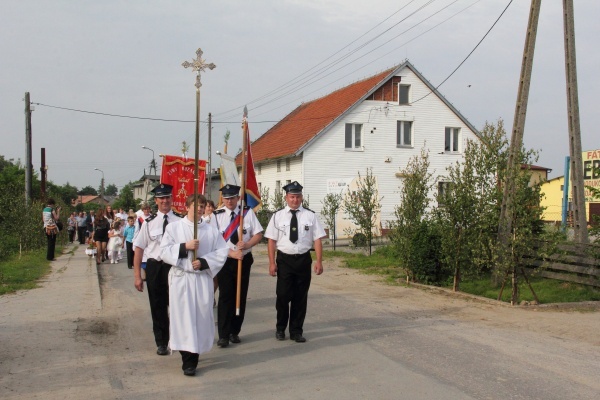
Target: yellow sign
<point>591,173</point>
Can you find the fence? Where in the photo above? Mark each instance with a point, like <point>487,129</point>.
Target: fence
<point>575,263</point>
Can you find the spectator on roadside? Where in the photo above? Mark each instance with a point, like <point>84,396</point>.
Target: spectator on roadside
<point>50,215</point>
<point>81,227</point>
<point>71,227</point>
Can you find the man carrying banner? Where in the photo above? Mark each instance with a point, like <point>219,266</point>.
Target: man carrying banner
<point>292,231</point>
<point>147,243</point>
<point>227,221</point>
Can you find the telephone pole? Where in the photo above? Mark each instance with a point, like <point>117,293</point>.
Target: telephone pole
<point>28,158</point>
<point>579,210</point>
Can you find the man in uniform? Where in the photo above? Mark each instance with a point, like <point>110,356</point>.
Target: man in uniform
<point>227,221</point>
<point>146,244</point>
<point>292,232</point>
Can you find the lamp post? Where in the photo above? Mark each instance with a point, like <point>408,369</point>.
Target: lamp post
<point>153,164</point>
<point>101,184</point>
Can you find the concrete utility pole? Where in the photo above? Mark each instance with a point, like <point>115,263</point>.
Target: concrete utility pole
<point>28,158</point>
<point>579,210</point>
<point>516,141</point>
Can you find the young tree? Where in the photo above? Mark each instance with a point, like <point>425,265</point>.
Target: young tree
<point>363,206</point>
<point>412,233</point>
<point>126,200</point>
<point>332,202</point>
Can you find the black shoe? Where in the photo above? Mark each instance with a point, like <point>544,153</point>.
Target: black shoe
<point>162,351</point>
<point>234,339</point>
<point>280,335</point>
<point>223,342</point>
<point>298,338</point>
<point>190,371</point>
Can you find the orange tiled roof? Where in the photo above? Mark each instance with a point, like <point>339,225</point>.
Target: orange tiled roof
<point>306,121</point>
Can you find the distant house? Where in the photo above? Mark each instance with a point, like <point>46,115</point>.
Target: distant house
<point>141,189</point>
<point>92,199</point>
<point>379,122</point>
<point>553,191</point>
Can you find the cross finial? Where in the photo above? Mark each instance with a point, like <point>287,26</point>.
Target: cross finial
<point>198,65</point>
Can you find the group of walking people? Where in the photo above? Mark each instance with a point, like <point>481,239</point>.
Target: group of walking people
<point>183,271</point>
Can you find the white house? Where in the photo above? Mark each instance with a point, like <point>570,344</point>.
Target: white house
<point>379,123</point>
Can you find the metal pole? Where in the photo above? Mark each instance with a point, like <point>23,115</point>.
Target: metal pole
<point>198,65</point>
<point>209,156</point>
<point>565,201</point>
<point>579,210</point>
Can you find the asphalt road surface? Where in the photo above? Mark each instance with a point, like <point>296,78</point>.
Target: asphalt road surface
<point>86,334</point>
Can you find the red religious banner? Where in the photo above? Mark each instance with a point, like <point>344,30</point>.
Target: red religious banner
<point>179,173</point>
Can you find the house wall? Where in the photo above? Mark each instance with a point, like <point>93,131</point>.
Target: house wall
<point>327,159</point>
<point>552,200</point>
<point>269,176</point>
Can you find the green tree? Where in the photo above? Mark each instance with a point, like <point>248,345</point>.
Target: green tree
<point>111,190</point>
<point>363,207</point>
<point>126,200</point>
<point>332,203</point>
<point>88,191</point>
<point>413,235</point>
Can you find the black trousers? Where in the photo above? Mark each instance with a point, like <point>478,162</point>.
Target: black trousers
<point>81,233</point>
<point>293,282</point>
<point>157,282</point>
<point>130,253</point>
<point>51,246</point>
<point>228,322</point>
<point>189,360</point>
<point>71,235</point>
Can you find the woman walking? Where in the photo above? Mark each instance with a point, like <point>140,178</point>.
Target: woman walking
<point>100,234</point>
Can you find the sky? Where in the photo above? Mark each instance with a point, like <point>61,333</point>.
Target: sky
<point>124,58</point>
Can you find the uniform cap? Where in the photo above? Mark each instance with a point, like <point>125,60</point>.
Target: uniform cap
<point>229,191</point>
<point>162,190</point>
<point>293,188</point>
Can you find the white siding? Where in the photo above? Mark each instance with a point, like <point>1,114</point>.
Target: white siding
<point>327,158</point>
<point>269,174</point>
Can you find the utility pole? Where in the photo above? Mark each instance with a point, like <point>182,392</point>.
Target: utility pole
<point>579,210</point>
<point>43,173</point>
<point>516,141</point>
<point>28,158</point>
<point>209,156</point>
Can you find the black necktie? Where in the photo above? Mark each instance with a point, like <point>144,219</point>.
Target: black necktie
<point>294,227</point>
<point>165,222</point>
<point>234,238</point>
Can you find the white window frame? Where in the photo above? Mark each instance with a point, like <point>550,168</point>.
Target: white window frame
<point>287,164</point>
<point>452,139</point>
<point>278,165</point>
<point>442,187</point>
<point>400,134</point>
<point>407,102</point>
<point>354,146</point>
<point>277,186</point>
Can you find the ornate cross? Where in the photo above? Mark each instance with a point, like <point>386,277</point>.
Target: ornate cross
<point>198,65</point>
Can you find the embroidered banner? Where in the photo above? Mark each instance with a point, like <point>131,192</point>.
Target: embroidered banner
<point>179,173</point>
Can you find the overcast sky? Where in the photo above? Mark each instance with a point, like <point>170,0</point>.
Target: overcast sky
<point>124,57</point>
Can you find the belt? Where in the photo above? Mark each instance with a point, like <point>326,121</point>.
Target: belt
<point>154,260</point>
<point>279,252</point>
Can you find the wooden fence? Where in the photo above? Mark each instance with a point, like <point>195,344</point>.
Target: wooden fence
<point>575,263</point>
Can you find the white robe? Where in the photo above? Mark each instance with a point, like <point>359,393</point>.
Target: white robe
<point>191,293</point>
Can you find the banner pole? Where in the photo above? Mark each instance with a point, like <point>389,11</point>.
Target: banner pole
<point>238,294</point>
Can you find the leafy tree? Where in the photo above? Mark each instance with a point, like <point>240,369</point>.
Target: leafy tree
<point>278,201</point>
<point>363,207</point>
<point>111,190</point>
<point>126,199</point>
<point>332,202</point>
<point>88,191</point>
<point>67,193</point>
<point>413,235</point>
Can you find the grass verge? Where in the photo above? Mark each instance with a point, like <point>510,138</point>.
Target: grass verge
<point>17,273</point>
<point>383,262</point>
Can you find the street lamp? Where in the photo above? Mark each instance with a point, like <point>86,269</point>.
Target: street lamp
<point>102,183</point>
<point>153,164</point>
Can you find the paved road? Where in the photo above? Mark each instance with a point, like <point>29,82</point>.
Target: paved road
<point>86,334</point>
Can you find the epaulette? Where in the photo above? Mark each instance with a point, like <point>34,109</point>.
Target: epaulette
<point>306,208</point>
<point>178,214</point>
<point>219,211</point>
<point>150,218</point>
